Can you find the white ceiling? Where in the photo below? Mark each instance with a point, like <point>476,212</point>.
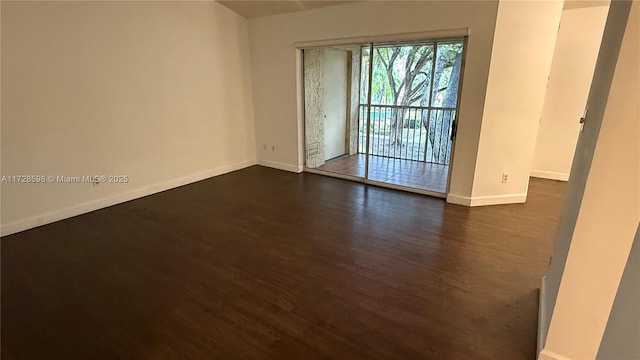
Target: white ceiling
<point>253,9</point>
<point>577,4</point>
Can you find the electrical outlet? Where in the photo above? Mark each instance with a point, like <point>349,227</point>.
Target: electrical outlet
<point>505,177</point>
<point>273,148</point>
<point>264,147</point>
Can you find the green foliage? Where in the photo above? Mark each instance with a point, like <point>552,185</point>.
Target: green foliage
<point>401,73</point>
<point>402,76</point>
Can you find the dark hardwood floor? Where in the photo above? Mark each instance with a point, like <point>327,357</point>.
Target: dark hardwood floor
<point>265,264</point>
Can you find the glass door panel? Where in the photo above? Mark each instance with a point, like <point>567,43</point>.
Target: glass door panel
<point>413,105</point>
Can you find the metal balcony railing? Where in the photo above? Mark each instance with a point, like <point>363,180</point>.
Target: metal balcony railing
<point>422,134</point>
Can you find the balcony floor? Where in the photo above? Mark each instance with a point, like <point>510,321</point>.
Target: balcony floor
<point>410,173</point>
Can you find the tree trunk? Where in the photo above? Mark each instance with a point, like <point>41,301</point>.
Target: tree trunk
<point>437,119</point>
<point>449,101</point>
<point>451,96</point>
<point>397,122</point>
<point>424,115</point>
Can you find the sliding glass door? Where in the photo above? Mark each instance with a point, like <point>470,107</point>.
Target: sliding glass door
<point>399,112</point>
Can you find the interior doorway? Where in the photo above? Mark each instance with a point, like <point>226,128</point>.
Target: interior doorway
<point>384,113</point>
<point>335,72</point>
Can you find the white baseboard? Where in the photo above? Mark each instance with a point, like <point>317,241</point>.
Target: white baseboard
<point>550,175</point>
<point>458,199</point>
<point>75,210</point>
<point>498,199</point>
<point>544,354</point>
<point>550,355</point>
<point>486,200</point>
<point>281,166</point>
<point>542,313</point>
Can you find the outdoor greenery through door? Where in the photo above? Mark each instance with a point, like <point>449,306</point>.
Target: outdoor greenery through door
<point>413,100</point>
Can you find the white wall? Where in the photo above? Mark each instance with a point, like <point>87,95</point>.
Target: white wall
<point>523,46</point>
<point>158,91</point>
<point>335,107</point>
<point>574,60</point>
<point>274,68</point>
<point>354,96</point>
<point>620,338</point>
<point>610,208</point>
